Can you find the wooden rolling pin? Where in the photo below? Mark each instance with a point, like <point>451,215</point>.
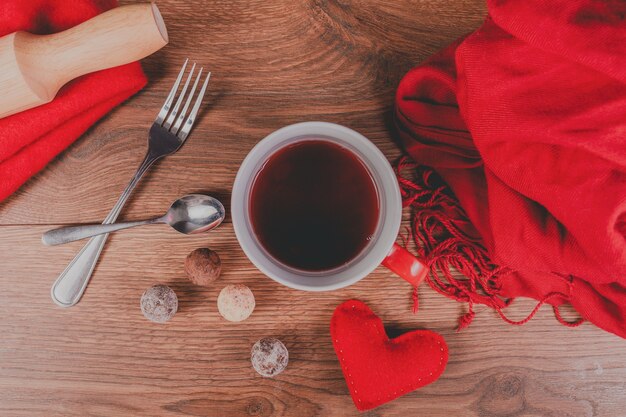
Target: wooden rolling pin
<point>34,67</point>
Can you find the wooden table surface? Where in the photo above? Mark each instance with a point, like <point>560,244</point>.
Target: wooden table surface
<point>274,63</point>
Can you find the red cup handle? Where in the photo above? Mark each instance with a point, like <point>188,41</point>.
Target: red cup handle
<point>406,265</point>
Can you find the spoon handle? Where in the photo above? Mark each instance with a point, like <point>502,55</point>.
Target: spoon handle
<point>72,233</point>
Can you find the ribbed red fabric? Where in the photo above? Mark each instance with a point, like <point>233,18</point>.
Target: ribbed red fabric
<point>524,120</point>
<point>30,139</point>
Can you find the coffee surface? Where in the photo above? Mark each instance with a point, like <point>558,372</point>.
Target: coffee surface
<point>314,205</point>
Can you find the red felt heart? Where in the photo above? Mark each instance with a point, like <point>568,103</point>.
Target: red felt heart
<point>378,369</point>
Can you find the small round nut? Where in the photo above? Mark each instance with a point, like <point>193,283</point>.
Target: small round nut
<point>159,303</point>
<point>269,357</point>
<point>203,266</point>
<point>235,302</point>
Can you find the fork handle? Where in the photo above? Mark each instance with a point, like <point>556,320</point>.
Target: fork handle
<point>71,284</point>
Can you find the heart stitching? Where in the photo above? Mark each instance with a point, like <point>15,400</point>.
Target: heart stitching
<point>364,403</point>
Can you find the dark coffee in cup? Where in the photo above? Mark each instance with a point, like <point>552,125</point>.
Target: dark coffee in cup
<point>314,205</point>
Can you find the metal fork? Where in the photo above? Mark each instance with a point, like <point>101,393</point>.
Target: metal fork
<point>167,134</point>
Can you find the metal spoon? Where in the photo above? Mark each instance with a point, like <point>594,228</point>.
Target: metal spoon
<point>193,213</point>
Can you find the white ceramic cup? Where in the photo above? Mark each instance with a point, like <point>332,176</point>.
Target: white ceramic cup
<point>390,213</point>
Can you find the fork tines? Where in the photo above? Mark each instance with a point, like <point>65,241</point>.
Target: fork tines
<point>171,118</point>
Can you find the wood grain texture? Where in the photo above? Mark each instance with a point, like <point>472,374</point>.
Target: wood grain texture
<point>273,63</point>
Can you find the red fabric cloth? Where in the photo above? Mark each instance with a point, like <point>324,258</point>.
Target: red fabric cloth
<point>525,120</point>
<point>30,139</point>
<point>378,369</point>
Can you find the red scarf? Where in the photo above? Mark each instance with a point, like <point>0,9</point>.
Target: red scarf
<point>30,139</point>
<point>525,120</point>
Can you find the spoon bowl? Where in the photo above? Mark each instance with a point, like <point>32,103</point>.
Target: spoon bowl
<point>195,213</point>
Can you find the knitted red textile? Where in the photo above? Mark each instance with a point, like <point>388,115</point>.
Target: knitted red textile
<point>378,369</point>
<point>524,120</point>
<point>30,139</point>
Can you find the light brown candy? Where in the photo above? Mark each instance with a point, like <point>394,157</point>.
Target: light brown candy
<point>235,302</point>
<point>159,303</point>
<point>269,357</point>
<point>203,266</point>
